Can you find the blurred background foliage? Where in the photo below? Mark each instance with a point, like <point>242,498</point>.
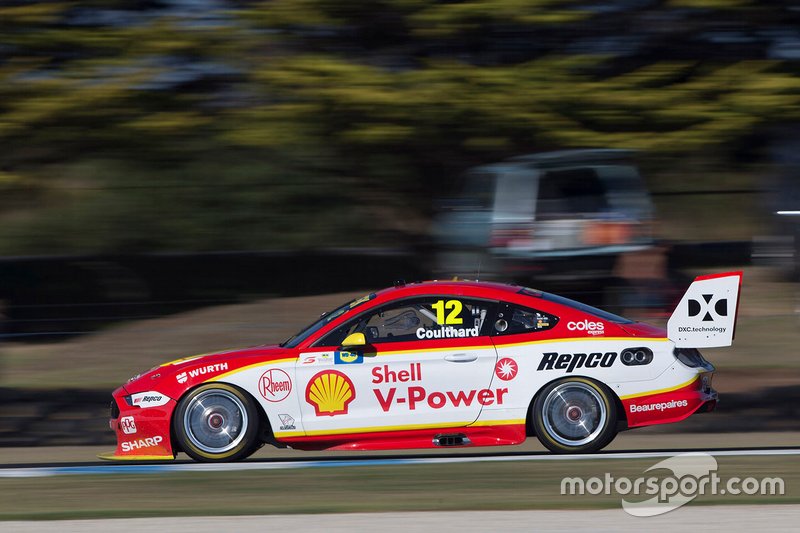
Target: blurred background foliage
<point>147,125</point>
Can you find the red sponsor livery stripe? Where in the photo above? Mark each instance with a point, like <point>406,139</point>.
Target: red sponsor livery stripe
<point>666,407</point>
<point>488,435</point>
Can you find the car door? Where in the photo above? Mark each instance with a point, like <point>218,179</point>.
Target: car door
<point>427,362</point>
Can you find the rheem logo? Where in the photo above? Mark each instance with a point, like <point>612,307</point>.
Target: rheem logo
<point>275,385</point>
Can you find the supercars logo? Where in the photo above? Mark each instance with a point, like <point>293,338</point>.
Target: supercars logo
<point>330,393</point>
<point>347,358</point>
<point>275,385</point>
<point>506,369</point>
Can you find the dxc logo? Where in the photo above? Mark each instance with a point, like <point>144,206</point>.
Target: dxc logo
<point>696,307</point>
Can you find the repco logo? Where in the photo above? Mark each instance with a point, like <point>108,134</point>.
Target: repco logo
<point>571,361</point>
<point>592,328</point>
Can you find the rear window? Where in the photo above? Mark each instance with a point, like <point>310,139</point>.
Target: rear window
<point>599,313</point>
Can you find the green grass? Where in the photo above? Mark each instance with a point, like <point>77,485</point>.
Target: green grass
<point>474,486</point>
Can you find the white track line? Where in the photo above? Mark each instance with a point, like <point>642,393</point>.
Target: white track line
<point>48,471</point>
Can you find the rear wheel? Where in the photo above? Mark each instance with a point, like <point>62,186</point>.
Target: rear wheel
<point>217,422</point>
<point>575,415</point>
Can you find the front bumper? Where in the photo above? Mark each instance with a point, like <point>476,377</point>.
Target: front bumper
<point>143,433</point>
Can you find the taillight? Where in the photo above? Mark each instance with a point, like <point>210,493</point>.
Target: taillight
<point>507,236</point>
<point>602,233</point>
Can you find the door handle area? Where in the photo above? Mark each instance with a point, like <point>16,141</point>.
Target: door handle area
<point>461,357</point>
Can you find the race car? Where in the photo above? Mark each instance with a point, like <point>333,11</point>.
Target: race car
<point>435,364</point>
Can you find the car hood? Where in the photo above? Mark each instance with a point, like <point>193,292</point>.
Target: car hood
<point>174,377</point>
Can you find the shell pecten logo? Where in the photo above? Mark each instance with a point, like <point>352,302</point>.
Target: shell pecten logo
<point>330,392</point>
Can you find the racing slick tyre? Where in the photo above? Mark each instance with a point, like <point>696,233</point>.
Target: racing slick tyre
<point>217,422</point>
<point>575,415</point>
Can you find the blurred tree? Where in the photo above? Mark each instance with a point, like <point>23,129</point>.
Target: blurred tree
<point>208,124</point>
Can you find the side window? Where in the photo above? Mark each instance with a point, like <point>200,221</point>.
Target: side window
<point>570,192</point>
<point>429,318</point>
<point>514,319</point>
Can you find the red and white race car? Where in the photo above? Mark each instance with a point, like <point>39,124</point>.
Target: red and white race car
<point>443,363</point>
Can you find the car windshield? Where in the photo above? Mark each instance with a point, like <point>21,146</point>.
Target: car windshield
<point>599,313</point>
<point>306,332</point>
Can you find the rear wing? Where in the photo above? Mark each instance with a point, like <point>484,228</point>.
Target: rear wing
<point>706,315</point>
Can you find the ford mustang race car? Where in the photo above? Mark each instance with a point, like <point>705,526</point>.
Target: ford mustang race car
<point>441,363</point>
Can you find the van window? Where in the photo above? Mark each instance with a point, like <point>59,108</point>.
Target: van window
<point>571,191</point>
<point>514,196</point>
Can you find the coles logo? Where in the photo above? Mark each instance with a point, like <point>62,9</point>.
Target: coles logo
<point>128,425</point>
<point>275,385</point>
<point>330,393</point>
<point>506,369</point>
<point>587,326</point>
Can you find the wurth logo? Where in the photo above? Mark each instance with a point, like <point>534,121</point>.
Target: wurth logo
<point>183,377</point>
<point>705,308</point>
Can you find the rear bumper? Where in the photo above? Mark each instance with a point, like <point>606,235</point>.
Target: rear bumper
<point>671,406</point>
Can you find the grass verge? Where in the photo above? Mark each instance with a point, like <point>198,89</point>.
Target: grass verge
<point>474,486</point>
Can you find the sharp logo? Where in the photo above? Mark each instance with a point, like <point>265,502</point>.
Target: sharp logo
<point>705,308</point>
<point>140,444</point>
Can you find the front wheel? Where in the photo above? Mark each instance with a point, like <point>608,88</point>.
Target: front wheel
<point>575,415</point>
<point>217,422</point>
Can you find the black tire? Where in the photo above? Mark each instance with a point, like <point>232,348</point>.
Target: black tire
<point>575,415</point>
<point>217,422</point>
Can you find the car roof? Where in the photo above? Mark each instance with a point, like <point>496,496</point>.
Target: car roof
<point>472,287</point>
<point>562,157</point>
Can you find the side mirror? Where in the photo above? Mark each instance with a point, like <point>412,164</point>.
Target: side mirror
<point>354,339</point>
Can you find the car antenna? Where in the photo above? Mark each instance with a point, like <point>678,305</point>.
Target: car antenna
<point>478,276</point>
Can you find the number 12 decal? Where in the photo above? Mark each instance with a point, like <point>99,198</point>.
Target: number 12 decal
<point>452,317</point>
